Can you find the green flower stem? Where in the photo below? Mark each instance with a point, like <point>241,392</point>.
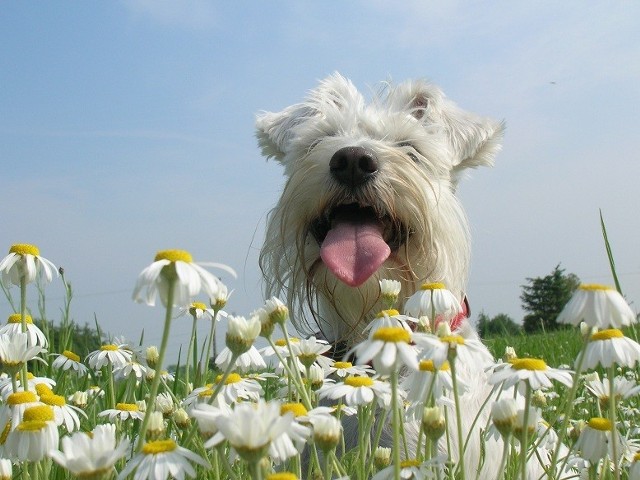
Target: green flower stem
<point>190,350</point>
<point>395,422</point>
<point>505,456</point>
<point>566,413</point>
<point>612,418</point>
<point>23,321</point>
<point>153,391</point>
<point>210,340</point>
<point>225,375</point>
<point>297,380</point>
<point>524,443</point>
<point>255,470</point>
<point>110,385</point>
<point>225,463</point>
<point>456,397</point>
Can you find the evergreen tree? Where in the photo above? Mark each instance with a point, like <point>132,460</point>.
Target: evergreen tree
<point>544,297</point>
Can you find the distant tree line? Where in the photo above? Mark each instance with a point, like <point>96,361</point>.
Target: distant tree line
<point>543,298</point>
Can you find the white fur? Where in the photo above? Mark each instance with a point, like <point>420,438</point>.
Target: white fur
<point>423,143</point>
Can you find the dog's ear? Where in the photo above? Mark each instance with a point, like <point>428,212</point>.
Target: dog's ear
<point>275,131</point>
<point>473,140</point>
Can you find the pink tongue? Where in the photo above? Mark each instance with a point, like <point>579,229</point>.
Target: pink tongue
<point>353,250</point>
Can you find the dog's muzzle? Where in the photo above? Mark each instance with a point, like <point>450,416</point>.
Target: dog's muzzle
<point>353,166</point>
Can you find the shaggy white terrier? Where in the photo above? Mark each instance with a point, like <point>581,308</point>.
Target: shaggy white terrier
<point>370,195</point>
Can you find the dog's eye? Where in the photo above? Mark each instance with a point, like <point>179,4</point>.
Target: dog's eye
<point>411,151</point>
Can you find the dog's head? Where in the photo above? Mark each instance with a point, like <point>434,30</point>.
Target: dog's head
<point>370,194</point>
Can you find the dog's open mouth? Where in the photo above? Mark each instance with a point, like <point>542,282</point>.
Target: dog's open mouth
<point>354,241</point>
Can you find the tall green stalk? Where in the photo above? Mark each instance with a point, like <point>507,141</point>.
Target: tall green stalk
<point>153,391</point>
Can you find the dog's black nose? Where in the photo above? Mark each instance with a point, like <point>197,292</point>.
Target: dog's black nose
<point>353,166</point>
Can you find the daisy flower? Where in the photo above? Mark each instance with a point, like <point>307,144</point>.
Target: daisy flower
<point>64,414</point>
<point>594,442</point>
<point>14,406</point>
<point>294,439</point>
<point>14,325</point>
<point>356,391</point>
<point>433,300</point>
<point>470,350</point>
<point>117,355</point>
<point>344,369</point>
<point>241,333</point>
<point>389,348</point>
<point>6,469</point>
<point>311,350</point>
<point>162,459</point>
<point>35,436</point>
<point>176,266</point>
<point>198,310</point>
<point>33,383</point>
<point>535,371</point>
<point>327,431</point>
<point>87,456</point>
<point>421,385</point>
<point>251,360</point>
<point>123,411</point>
<point>609,347</point>
<point>598,306</point>
<point>413,470</point>
<point>623,388</point>
<point>251,429</point>
<point>68,360</point>
<point>504,413</point>
<point>16,350</point>
<point>206,416</point>
<point>389,291</point>
<point>131,368</point>
<point>235,388</point>
<point>24,262</point>
<point>389,318</point>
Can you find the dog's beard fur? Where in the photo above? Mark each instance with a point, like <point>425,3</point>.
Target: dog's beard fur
<point>422,143</point>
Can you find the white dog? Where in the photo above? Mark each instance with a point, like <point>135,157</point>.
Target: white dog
<point>370,195</point>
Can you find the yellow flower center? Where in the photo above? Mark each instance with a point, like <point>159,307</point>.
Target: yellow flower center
<point>32,426</point>
<point>601,424</point>
<point>342,365</point>
<point>5,433</point>
<point>392,334</point>
<point>109,348</point>
<point>39,413</point>
<point>409,463</point>
<point>21,397</point>
<point>281,342</point>
<point>127,407</point>
<point>158,446</point>
<point>433,286</point>
<point>358,381</point>
<point>452,339</point>
<point>282,476</point>
<point>196,306</point>
<point>53,400</point>
<point>43,389</point>
<point>297,409</point>
<point>388,313</point>
<point>636,457</point>
<point>594,287</point>
<point>174,256</point>
<point>428,366</point>
<point>607,334</point>
<point>24,249</point>
<point>71,356</point>
<point>232,378</point>
<point>528,364</point>
<point>17,318</point>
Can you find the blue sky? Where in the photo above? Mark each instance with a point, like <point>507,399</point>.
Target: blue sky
<point>127,127</point>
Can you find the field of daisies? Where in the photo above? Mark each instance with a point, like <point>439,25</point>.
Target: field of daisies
<point>288,411</point>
